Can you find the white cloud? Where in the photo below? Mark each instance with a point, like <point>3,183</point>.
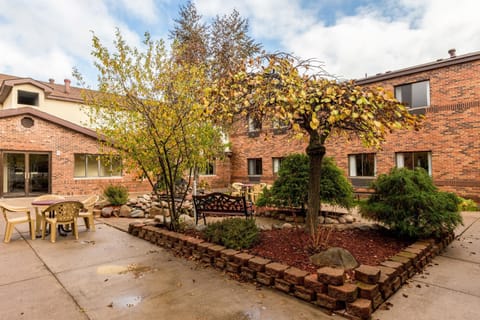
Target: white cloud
<point>384,35</point>
<point>144,9</point>
<point>47,38</point>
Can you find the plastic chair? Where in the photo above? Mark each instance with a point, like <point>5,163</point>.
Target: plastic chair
<point>38,213</point>
<point>237,189</point>
<point>61,213</point>
<point>12,221</point>
<point>87,212</point>
<point>255,191</point>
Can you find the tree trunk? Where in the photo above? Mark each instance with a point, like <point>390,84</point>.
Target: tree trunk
<point>315,152</point>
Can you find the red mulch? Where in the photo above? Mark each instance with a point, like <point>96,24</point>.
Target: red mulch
<point>290,246</point>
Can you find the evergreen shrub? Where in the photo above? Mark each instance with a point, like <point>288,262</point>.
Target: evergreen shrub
<point>233,233</point>
<point>116,195</point>
<point>407,202</point>
<point>290,189</point>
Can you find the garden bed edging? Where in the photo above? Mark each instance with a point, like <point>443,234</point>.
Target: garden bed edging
<point>327,288</point>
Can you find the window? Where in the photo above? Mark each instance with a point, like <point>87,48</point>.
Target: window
<point>255,167</point>
<point>28,98</point>
<point>276,162</point>
<point>254,126</point>
<point>94,165</point>
<point>415,95</point>
<point>279,126</point>
<point>27,122</point>
<point>412,160</point>
<point>361,165</point>
<point>208,170</point>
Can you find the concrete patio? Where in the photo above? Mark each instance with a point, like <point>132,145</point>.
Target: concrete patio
<point>109,274</point>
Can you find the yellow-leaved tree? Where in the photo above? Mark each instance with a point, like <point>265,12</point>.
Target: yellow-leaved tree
<point>285,88</point>
<point>148,107</point>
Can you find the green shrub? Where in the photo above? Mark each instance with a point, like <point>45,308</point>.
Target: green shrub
<point>290,189</point>
<point>116,195</point>
<point>265,198</point>
<point>233,233</point>
<point>408,203</point>
<point>467,205</point>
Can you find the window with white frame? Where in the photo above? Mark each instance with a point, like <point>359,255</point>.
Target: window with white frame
<point>414,95</point>
<point>255,167</point>
<point>276,163</point>
<point>97,165</point>
<point>412,160</point>
<point>361,165</point>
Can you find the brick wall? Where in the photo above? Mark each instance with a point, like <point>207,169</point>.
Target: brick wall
<point>62,143</point>
<point>451,133</point>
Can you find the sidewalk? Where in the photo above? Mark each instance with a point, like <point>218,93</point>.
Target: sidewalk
<point>109,274</point>
<point>449,288</point>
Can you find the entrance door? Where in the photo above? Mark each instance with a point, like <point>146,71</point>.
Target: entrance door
<point>25,174</point>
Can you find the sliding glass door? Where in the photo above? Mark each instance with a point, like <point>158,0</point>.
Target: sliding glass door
<point>25,174</point>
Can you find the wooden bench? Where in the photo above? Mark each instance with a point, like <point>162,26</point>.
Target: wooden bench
<point>221,204</point>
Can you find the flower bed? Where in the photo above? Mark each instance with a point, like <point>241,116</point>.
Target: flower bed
<point>326,287</point>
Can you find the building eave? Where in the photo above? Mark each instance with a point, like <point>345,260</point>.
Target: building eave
<point>7,85</point>
<point>440,63</point>
<point>24,111</point>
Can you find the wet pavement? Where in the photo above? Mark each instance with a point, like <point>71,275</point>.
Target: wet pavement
<point>449,287</point>
<point>109,274</point>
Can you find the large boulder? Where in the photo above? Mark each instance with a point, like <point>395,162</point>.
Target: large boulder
<point>336,258</point>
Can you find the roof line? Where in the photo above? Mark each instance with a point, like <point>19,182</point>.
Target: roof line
<point>440,63</point>
<point>8,113</point>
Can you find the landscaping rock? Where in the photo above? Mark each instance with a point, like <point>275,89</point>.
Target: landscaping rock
<point>137,214</point>
<point>124,211</point>
<point>200,227</point>
<point>287,226</point>
<point>334,257</point>
<point>107,212</point>
<point>155,211</point>
<point>329,220</point>
<point>349,218</point>
<point>184,218</point>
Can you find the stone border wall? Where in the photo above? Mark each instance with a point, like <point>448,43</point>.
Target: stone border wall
<point>327,288</point>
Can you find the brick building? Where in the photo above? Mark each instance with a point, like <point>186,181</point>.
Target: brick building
<point>446,91</point>
<point>44,146</point>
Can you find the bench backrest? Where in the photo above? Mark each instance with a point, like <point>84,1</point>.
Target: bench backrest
<point>219,202</point>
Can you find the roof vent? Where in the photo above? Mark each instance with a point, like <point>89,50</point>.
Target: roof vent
<point>452,53</point>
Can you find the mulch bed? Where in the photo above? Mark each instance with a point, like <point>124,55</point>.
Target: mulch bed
<point>290,246</point>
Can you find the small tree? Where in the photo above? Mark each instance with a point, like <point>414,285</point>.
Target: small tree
<point>147,108</point>
<point>290,189</point>
<point>408,203</point>
<point>285,88</point>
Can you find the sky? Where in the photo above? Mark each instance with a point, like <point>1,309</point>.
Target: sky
<point>43,39</point>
